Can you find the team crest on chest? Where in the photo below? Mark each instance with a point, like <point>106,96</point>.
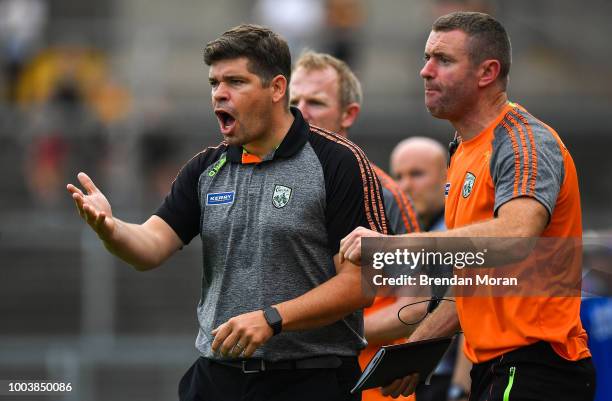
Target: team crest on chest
<point>281,196</point>
<point>468,184</point>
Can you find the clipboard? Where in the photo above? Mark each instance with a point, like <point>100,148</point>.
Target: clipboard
<point>395,361</point>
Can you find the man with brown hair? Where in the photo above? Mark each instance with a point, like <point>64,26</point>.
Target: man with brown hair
<point>510,176</point>
<point>279,315</point>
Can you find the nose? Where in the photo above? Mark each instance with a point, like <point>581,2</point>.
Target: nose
<point>304,109</point>
<point>220,92</point>
<point>427,72</point>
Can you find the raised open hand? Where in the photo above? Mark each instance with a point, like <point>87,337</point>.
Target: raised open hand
<point>93,207</point>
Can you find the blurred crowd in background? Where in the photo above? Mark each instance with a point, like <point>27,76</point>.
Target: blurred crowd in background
<point>119,89</point>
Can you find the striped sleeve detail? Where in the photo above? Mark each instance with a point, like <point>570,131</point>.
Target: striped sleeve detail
<point>525,157</point>
<point>517,162</point>
<point>405,206</point>
<point>526,160</point>
<point>412,214</point>
<point>521,135</point>
<point>534,153</point>
<point>373,204</point>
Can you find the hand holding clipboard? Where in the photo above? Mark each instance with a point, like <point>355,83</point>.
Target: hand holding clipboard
<point>397,361</point>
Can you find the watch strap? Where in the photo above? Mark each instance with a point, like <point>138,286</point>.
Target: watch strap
<point>274,319</point>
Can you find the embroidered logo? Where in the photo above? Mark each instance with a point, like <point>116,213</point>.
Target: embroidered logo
<point>281,196</point>
<point>220,198</point>
<point>446,188</point>
<point>468,184</point>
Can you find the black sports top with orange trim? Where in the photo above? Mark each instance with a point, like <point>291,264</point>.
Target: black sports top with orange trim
<point>270,227</point>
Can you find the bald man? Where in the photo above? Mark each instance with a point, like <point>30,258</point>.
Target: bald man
<point>418,165</point>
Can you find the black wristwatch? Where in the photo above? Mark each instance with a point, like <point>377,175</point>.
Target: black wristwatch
<point>274,319</point>
<point>456,392</point>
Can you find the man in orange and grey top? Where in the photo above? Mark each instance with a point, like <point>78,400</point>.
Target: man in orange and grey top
<point>511,176</point>
<point>329,96</point>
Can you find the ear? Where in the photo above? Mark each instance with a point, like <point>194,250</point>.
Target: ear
<point>349,115</point>
<point>488,72</point>
<point>278,86</point>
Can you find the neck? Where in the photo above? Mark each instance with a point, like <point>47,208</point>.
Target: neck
<point>480,116</point>
<point>280,123</point>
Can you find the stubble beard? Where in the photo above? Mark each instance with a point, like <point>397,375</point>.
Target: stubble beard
<point>452,103</point>
<point>256,131</point>
<point>241,137</point>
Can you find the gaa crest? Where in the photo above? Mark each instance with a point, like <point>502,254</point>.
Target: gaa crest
<point>281,196</point>
<point>468,185</point>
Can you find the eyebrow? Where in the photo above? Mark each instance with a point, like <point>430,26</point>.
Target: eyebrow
<point>227,77</point>
<point>316,97</point>
<point>436,53</point>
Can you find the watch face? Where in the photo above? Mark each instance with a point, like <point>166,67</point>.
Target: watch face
<point>270,319</point>
<point>274,319</point>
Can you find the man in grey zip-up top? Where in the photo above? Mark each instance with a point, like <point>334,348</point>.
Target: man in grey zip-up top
<point>279,314</point>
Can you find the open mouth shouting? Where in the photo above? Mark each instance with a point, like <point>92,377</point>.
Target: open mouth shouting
<point>227,121</point>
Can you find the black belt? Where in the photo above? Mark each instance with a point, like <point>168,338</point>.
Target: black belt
<point>259,365</point>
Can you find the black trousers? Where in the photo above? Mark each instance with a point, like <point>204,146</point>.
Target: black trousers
<point>533,373</point>
<point>207,380</point>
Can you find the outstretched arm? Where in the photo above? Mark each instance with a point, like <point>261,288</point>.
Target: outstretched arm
<point>143,246</point>
<point>519,218</point>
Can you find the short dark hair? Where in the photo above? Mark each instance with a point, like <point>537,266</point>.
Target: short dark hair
<point>267,52</point>
<point>487,38</point>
